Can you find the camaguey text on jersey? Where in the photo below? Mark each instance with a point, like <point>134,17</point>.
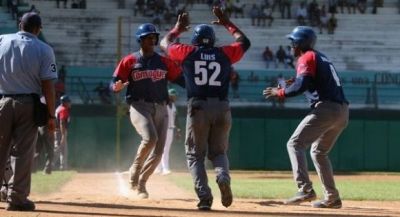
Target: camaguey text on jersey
<point>154,75</point>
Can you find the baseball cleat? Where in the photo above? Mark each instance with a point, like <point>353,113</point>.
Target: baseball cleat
<point>301,197</point>
<point>27,205</point>
<point>205,204</point>
<point>226,193</point>
<point>333,204</point>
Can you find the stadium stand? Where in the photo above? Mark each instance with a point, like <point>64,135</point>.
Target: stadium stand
<point>93,39</point>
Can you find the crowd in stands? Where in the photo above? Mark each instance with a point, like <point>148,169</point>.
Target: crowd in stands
<point>282,57</point>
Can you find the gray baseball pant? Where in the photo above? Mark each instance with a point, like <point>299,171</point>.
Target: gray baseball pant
<point>18,135</point>
<point>320,130</point>
<point>151,122</point>
<point>208,125</point>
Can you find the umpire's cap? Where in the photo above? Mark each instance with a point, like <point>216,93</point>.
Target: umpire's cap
<point>31,20</point>
<point>146,29</point>
<point>303,37</point>
<point>65,99</point>
<point>172,92</point>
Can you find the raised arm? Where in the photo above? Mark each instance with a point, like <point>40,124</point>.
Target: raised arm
<point>182,25</point>
<point>224,20</point>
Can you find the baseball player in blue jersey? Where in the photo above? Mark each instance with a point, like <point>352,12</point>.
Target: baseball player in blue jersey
<point>27,70</point>
<point>322,126</point>
<point>207,72</point>
<point>145,73</point>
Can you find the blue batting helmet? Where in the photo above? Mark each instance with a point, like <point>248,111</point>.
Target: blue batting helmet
<point>303,37</point>
<point>65,98</point>
<point>144,30</point>
<point>203,34</point>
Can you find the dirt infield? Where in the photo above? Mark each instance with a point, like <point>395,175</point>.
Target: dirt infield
<point>107,194</point>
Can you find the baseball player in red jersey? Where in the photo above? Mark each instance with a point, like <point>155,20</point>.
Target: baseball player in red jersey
<point>145,73</point>
<point>63,116</point>
<point>322,126</point>
<point>207,71</point>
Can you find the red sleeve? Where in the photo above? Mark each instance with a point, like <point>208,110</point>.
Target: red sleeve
<point>234,51</point>
<point>174,70</point>
<point>179,52</point>
<point>306,64</point>
<point>124,67</point>
<point>64,114</point>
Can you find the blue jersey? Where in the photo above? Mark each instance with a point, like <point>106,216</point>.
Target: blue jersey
<point>147,76</point>
<point>326,81</point>
<point>206,70</point>
<point>316,74</point>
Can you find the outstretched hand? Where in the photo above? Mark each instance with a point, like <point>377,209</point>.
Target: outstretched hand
<point>222,18</point>
<point>118,86</point>
<point>182,24</point>
<point>270,92</point>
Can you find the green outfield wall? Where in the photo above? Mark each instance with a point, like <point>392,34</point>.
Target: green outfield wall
<point>258,139</point>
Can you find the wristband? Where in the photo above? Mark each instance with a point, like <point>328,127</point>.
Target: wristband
<point>281,93</point>
<point>231,27</point>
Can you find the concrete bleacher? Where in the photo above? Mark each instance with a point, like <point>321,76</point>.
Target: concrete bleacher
<point>90,36</point>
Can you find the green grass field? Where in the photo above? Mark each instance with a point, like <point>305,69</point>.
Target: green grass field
<point>43,184</point>
<point>284,187</point>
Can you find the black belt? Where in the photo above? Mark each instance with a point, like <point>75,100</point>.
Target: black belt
<point>16,95</point>
<point>209,97</point>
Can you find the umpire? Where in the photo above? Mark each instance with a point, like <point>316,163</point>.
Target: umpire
<point>27,70</point>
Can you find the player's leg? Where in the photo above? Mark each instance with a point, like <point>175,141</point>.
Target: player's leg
<point>218,147</point>
<point>165,158</point>
<point>308,131</point>
<point>197,128</point>
<point>49,148</point>
<point>24,141</point>
<point>160,121</point>
<point>320,151</point>
<point>142,120</point>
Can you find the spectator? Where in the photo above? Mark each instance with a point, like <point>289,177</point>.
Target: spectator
<point>138,6</point>
<point>332,4</point>
<point>238,8</point>
<point>351,5</point>
<point>286,5</point>
<point>235,78</point>
<point>157,20</point>
<point>33,9</point>
<point>58,3</point>
<point>281,56</point>
<point>332,24</point>
<point>268,56</point>
<point>252,77</point>
<point>301,14</point>
<point>82,4</point>
<point>266,13</point>
<point>375,5</point>
<point>362,6</point>
<point>254,14</point>
<point>103,92</point>
<point>289,57</point>
<point>74,4</point>
<point>342,4</point>
<point>323,18</point>
<point>313,13</point>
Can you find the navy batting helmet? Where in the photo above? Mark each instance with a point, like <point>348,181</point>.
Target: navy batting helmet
<point>65,98</point>
<point>203,35</point>
<point>303,37</point>
<point>144,30</point>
